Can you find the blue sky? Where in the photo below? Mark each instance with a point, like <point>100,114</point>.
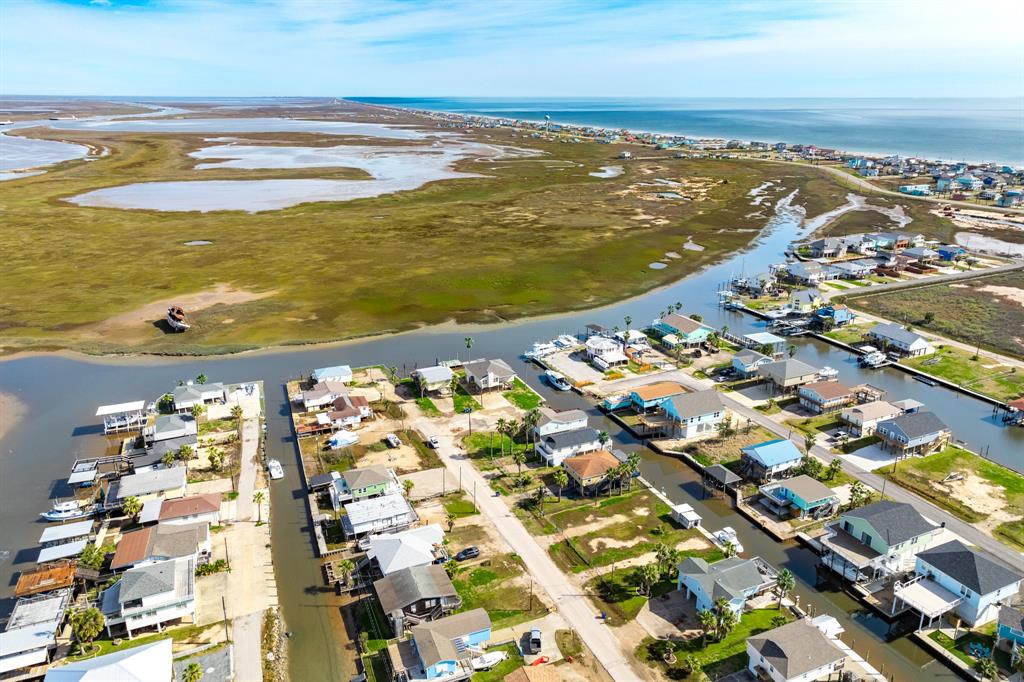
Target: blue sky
<point>682,48</point>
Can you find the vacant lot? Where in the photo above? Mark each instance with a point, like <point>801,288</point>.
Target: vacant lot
<point>974,372</point>
<point>532,236</point>
<point>989,310</point>
<point>500,585</point>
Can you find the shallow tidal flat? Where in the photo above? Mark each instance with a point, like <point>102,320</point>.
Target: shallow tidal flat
<point>508,237</point>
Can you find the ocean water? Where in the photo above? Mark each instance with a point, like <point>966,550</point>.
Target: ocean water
<point>990,129</point>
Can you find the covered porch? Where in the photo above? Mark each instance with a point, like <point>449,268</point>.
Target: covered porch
<point>926,597</point>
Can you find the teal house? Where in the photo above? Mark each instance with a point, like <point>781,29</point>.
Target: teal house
<point>1011,627</point>
<point>679,330</point>
<point>800,497</point>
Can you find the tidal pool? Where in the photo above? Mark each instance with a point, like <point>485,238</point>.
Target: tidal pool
<point>608,172</point>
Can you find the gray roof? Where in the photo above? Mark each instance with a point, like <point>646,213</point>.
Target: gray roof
<point>434,639</point>
<point>568,439</point>
<point>971,569</point>
<point>366,477</point>
<point>915,424</point>
<point>728,578</point>
<point>409,585</point>
<point>146,581</point>
<point>790,368</point>
<point>721,474</point>
<point>895,522</point>
<point>809,489</point>
<point>891,330</point>
<point>684,324</point>
<point>697,404</point>
<point>173,423</point>
<point>191,392</point>
<point>1011,618</point>
<point>433,375</point>
<point>149,482</point>
<point>547,415</point>
<point>497,367</point>
<point>749,355</point>
<point>805,296</point>
<point>175,540</point>
<point>796,648</point>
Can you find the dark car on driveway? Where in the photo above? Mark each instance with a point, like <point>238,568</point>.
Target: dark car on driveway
<point>468,553</point>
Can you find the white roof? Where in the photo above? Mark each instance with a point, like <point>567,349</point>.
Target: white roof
<point>61,551</point>
<point>149,663</point>
<point>613,356</point>
<point>601,343</point>
<point>384,507</point>
<point>406,549</point>
<point>16,661</point>
<point>764,337</point>
<point>66,531</point>
<point>432,375</point>
<point>343,372</point>
<point>148,482</point>
<point>82,476</point>
<point>120,408</point>
<point>151,510</point>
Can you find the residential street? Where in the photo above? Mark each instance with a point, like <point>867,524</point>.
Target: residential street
<point>961,528</point>
<point>574,606</point>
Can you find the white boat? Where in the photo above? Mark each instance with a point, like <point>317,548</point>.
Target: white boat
<point>342,438</point>
<point>539,350</point>
<point>68,511</point>
<point>488,660</point>
<point>873,359</point>
<point>176,318</point>
<point>827,373</point>
<point>275,469</point>
<point>566,341</point>
<point>557,381</point>
<point>728,535</point>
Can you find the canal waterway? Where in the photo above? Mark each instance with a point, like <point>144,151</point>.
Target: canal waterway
<point>61,393</point>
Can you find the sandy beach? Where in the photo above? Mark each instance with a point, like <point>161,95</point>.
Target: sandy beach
<point>11,412</point>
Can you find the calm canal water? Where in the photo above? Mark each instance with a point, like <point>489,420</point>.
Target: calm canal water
<point>61,395</point>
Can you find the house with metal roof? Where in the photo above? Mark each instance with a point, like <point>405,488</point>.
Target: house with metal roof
<point>167,483</point>
<point>484,375</point>
<point>414,547</point>
<point>441,649</point>
<point>799,497</point>
<point>767,343</point>
<point>795,652</point>
<point>31,632</point>
<point>150,596</point>
<point>917,433</point>
<point>652,396</point>
<point>770,459</point>
<point>786,376</point>
<point>955,578</point>
<point>558,446</point>
<point>415,595</point>
<point>805,300</point>
<point>694,414</point>
<point>377,515</point>
<point>436,380</point>
<point>882,538</point>
<point>821,397</point>
<point>147,663</point>
<point>734,579</point>
<point>893,337</point>
<point>746,361</point>
<point>827,247</point>
<point>123,416</point>
<point>341,373</point>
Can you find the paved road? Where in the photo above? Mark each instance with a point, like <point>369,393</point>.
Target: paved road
<point>245,634</point>
<point>245,510</point>
<point>574,606</point>
<point>892,490</point>
<point>246,629</point>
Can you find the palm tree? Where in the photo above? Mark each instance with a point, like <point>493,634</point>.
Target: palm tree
<point>519,457</point>
<point>469,348</point>
<point>625,338</point>
<point>603,438</point>
<point>237,413</point>
<point>257,499</point>
<point>632,467</point>
<point>408,485</point>
<point>193,673</point>
<point>451,566</point>
<point>86,625</point>
<point>167,460</point>
<point>648,576</point>
<point>678,306</point>
<point>725,618</point>
<point>453,385</point>
<point>792,351</point>
<point>501,426</point>
<point>785,582</point>
<point>708,624</point>
<point>530,421</point>
<point>986,667</point>
<point>197,411</point>
<point>132,507</point>
<point>728,549</point>
<point>834,467</point>
<point>808,443</point>
<point>561,479</point>
<point>185,452</point>
<point>345,567</point>
<point>538,498</point>
<point>449,519</point>
<point>665,556</point>
<point>201,379</point>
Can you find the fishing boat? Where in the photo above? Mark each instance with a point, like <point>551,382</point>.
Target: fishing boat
<point>826,373</point>
<point>275,469</point>
<point>176,318</point>
<point>566,341</point>
<point>539,350</point>
<point>488,660</point>
<point>728,536</point>
<point>557,381</point>
<point>68,510</point>
<point>872,357</point>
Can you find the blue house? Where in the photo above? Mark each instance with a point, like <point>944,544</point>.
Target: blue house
<point>770,459</point>
<point>686,331</point>
<point>800,496</point>
<point>746,362</point>
<point>442,648</point>
<point>694,414</point>
<point>957,579</point>
<point>733,579</point>
<point>951,252</point>
<point>838,313</point>
<point>1011,626</point>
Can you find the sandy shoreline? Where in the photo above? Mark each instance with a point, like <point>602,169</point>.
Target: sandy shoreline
<point>11,412</point>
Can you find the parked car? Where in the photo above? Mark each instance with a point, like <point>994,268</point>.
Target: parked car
<point>392,440</point>
<point>434,442</point>
<point>535,641</point>
<point>468,553</point>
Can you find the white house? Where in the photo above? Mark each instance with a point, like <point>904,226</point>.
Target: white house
<point>604,352</point>
<point>484,375</point>
<point>377,515</point>
<point>734,579</point>
<point>414,547</point>
<point>321,394</point>
<point>341,373</point>
<point>349,410</point>
<point>31,632</point>
<point>695,414</point>
<point>795,652</point>
<point>149,596</point>
<point>188,510</point>
<point>150,662</point>
<point>556,447</point>
<point>747,360</point>
<point>954,577</point>
<point>892,336</point>
<point>434,379</point>
<point>552,421</point>
<point>190,395</point>
<point>861,420</point>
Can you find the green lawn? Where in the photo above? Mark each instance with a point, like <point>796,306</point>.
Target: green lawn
<point>718,659</point>
<point>371,620</point>
<point>727,448</point>
<point>496,585</point>
<point>960,646</point>
<point>498,672</point>
<point>376,667</point>
<point>182,633</point>
<point>488,449</point>
<point>428,407</point>
<point>616,595</point>
<point>813,426</point>
<point>461,400</point>
<point>921,473</point>
<point>459,506</point>
<point>983,375</point>
<point>522,396</point>
<point>428,456</point>
<point>850,334</point>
